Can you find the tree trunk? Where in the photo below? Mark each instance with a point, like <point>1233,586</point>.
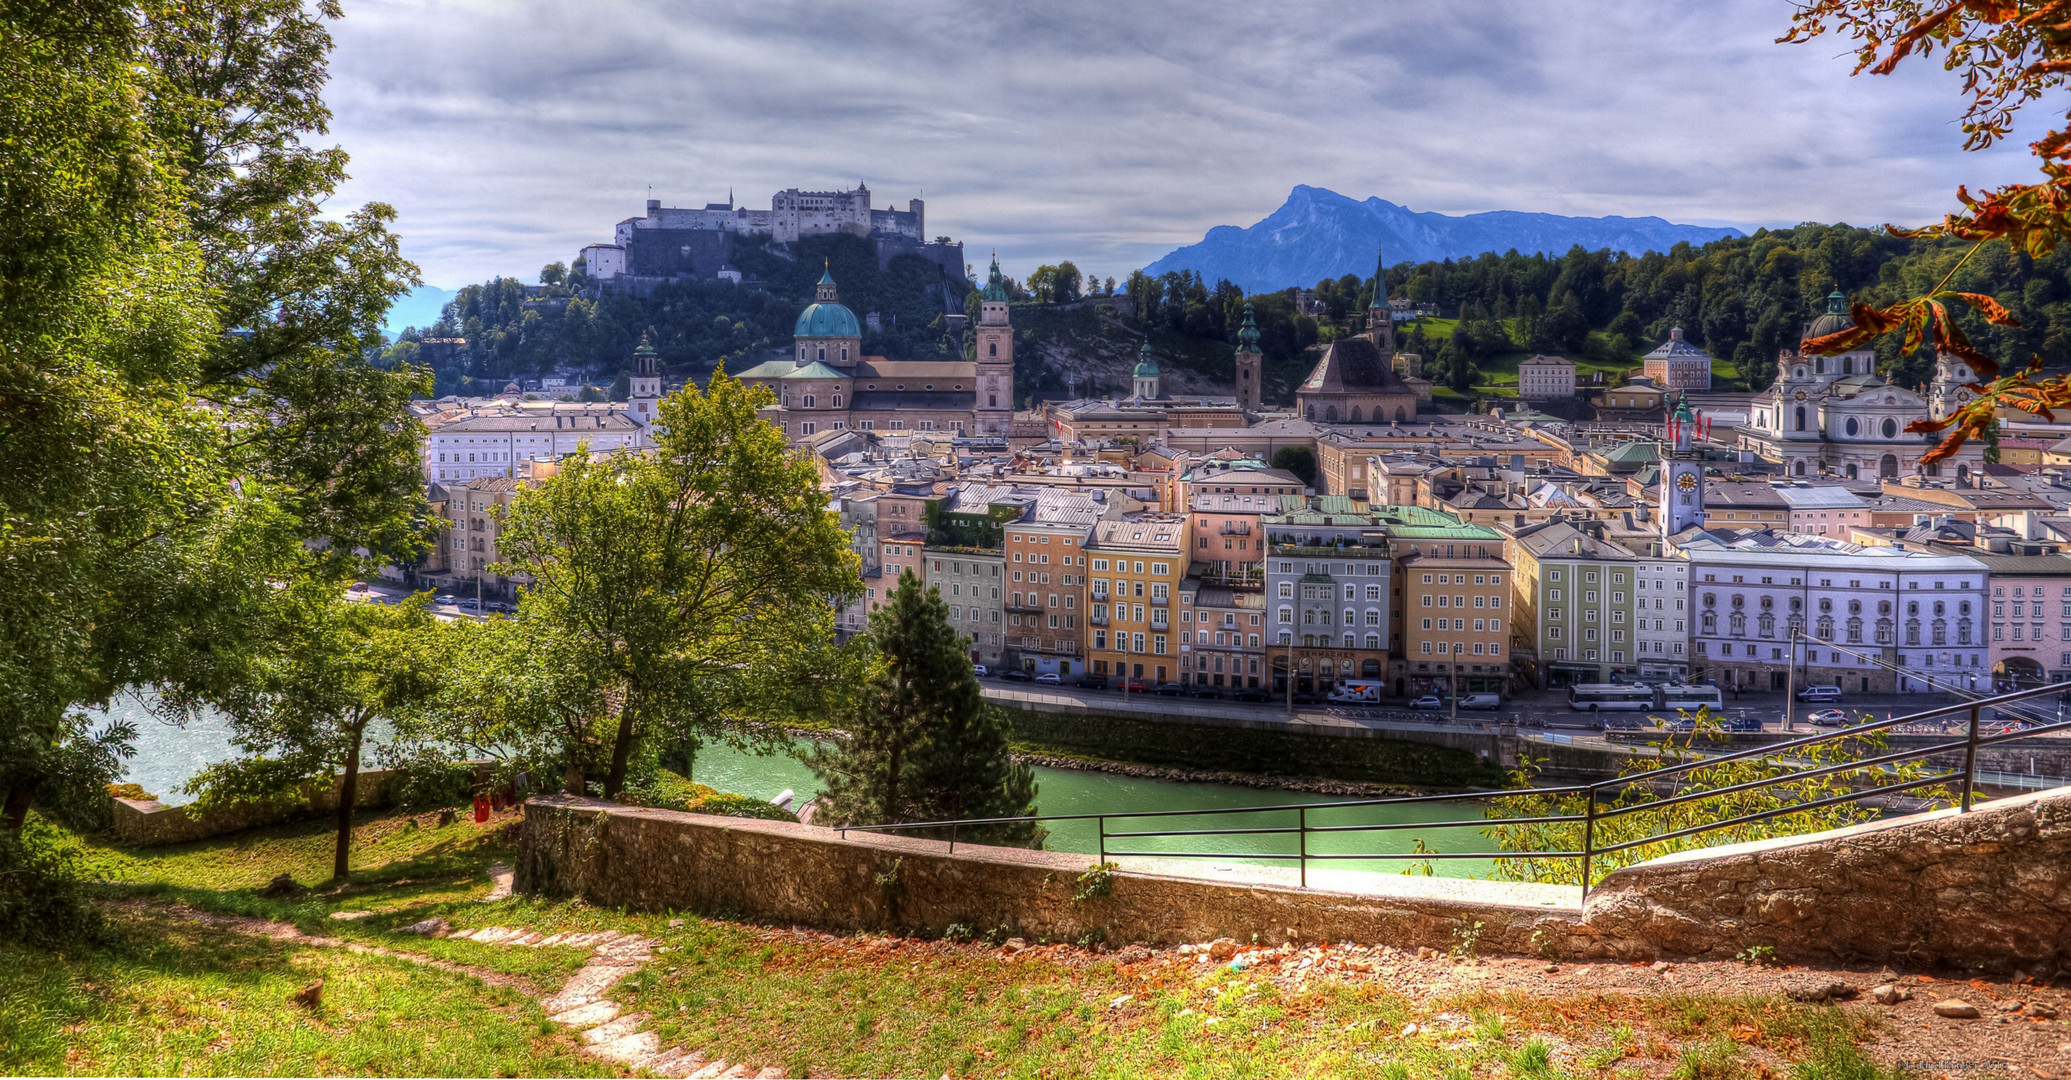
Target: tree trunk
<point>891,788</point>
<point>16,813</point>
<point>348,793</point>
<point>621,750</point>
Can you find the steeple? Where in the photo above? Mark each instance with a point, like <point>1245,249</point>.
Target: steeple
<point>995,285</point>
<point>644,389</point>
<point>645,363</point>
<point>1380,322</point>
<point>1249,363</point>
<point>1682,472</point>
<point>826,293</point>
<point>1146,374</point>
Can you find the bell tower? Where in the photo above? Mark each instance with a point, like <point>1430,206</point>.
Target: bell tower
<point>1682,473</point>
<point>1380,322</point>
<point>1249,363</point>
<point>994,407</point>
<point>644,391</point>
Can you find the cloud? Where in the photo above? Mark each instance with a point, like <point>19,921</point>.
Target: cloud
<point>508,133</point>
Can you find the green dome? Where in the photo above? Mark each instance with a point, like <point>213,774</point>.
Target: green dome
<point>1247,336</point>
<point>827,320</point>
<point>1835,320</point>
<point>1146,368</point>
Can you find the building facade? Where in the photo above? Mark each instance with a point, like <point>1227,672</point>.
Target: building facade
<point>1575,604</point>
<point>972,582</point>
<point>1455,619</point>
<point>1677,365</point>
<point>1330,607</point>
<point>1138,566</point>
<point>1545,378</point>
<point>1045,596</point>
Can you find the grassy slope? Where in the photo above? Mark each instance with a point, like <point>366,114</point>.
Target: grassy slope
<point>164,996</point>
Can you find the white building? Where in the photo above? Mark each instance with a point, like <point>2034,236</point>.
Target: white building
<point>1870,619</point>
<point>1544,378</point>
<point>1661,619</point>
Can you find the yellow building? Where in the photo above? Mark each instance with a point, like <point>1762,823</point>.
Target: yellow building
<point>1138,566</point>
<point>1045,594</point>
<point>1455,622</point>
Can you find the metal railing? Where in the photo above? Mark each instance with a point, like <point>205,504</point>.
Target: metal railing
<point>1593,813</point>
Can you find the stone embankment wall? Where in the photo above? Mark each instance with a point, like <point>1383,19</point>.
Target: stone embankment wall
<point>148,821</point>
<point>1991,888</point>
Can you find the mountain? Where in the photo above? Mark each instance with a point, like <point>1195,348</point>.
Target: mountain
<point>419,307</point>
<point>1318,233</point>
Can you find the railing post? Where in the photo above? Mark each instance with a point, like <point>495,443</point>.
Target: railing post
<point>1103,840</point>
<point>1301,852</point>
<point>952,838</point>
<point>1588,839</point>
<point>1970,759</point>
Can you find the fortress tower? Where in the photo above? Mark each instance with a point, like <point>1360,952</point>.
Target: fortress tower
<point>1249,363</point>
<point>994,410</point>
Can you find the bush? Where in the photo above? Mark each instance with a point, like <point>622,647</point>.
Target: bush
<point>669,791</point>
<point>43,888</point>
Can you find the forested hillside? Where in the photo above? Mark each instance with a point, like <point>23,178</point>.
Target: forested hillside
<point>1741,299</point>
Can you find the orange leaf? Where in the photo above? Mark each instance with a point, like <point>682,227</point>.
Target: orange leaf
<point>1993,311</point>
<point>1948,447</point>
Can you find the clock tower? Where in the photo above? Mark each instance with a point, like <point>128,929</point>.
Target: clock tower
<point>994,411</point>
<point>1682,473</point>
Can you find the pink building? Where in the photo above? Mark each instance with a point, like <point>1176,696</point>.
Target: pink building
<point>1678,365</point>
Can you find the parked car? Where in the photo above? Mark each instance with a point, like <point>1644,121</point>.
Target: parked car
<point>498,606</point>
<point>1624,722</point>
<point>1133,686</point>
<point>1307,698</point>
<point>1016,675</point>
<point>1050,677</point>
<point>1481,701</point>
<point>980,670</point>
<point>1356,695</point>
<point>1202,690</point>
<point>1828,718</point>
<point>1820,693</point>
<point>1428,701</point>
<point>1252,693</point>
<point>1741,724</point>
<point>470,604</point>
<point>1169,689</point>
<point>1090,681</point>
<point>446,598</point>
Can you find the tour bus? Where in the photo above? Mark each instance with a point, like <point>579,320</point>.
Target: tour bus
<point>1610,697</point>
<point>1690,698</point>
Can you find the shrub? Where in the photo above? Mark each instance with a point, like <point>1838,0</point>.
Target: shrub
<point>43,890</point>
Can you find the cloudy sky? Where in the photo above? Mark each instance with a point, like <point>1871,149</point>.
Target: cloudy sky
<point>508,133</point>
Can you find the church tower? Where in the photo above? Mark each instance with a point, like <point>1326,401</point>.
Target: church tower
<point>645,391</point>
<point>1146,374</point>
<point>1249,363</point>
<point>1948,393</point>
<point>1682,473</point>
<point>994,411</point>
<point>1380,323</point>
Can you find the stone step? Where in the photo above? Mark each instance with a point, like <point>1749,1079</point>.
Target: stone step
<point>712,1071</point>
<point>627,1049</point>
<point>605,1032</point>
<point>554,939</point>
<point>771,1073</point>
<point>674,1062</point>
<point>586,1015</point>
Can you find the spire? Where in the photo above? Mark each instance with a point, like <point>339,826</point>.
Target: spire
<point>1380,287</point>
<point>995,285</point>
<point>826,273</point>
<point>1247,335</point>
<point>1146,365</point>
<point>826,293</point>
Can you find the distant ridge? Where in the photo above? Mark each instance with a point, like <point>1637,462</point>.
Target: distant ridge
<point>1318,233</point>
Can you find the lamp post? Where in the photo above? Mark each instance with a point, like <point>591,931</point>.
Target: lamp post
<point>1453,678</point>
<point>1290,672</point>
<point>1790,683</point>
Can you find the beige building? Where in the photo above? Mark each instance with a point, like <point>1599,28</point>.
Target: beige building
<point>1545,378</point>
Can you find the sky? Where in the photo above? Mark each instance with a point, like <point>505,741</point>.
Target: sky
<point>509,133</point>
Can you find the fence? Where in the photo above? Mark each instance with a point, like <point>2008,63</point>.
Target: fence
<point>1593,814</point>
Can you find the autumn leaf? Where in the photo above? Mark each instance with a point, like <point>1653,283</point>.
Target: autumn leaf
<point>1993,311</point>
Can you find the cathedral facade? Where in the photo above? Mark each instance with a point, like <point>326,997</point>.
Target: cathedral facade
<point>828,384</point>
<point>1835,416</point>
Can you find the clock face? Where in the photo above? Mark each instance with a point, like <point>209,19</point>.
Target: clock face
<point>1800,395</point>
<point>1686,482</point>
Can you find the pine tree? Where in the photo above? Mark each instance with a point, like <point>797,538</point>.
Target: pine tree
<point>920,743</point>
<point>1458,367</point>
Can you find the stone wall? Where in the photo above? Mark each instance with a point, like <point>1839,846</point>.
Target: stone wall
<point>1991,888</point>
<point>148,821</point>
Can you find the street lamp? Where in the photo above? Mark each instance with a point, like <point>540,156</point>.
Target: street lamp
<point>1453,677</point>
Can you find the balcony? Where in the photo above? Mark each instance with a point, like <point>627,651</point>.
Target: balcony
<point>1161,601</point>
<point>1096,620</point>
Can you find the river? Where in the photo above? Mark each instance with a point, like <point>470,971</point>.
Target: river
<point>168,756</point>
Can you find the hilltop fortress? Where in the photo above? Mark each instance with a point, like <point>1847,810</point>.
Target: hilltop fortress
<point>681,242</point>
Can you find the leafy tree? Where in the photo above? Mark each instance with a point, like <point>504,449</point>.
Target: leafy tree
<point>918,741</point>
<point>698,580</point>
<point>1299,460</point>
<point>1457,366</point>
<point>330,668</point>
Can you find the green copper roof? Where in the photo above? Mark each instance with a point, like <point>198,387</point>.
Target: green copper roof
<point>644,348</point>
<point>1836,302</point>
<point>828,320</point>
<point>996,286</point>
<point>1146,368</point>
<point>1247,336</point>
<point>1380,279</point>
<point>826,274</point>
<point>1682,409</point>
<point>814,370</point>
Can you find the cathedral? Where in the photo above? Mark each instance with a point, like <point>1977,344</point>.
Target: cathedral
<point>1835,416</point>
<point>827,384</point>
<point>1356,381</point>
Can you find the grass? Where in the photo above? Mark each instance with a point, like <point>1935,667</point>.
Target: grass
<point>165,995</point>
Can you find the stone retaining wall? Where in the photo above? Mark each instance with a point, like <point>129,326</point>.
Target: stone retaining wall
<point>1990,889</point>
<point>148,821</point>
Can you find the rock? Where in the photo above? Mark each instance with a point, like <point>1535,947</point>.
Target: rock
<point>674,923</point>
<point>1014,945</point>
<point>349,916</point>
<point>1551,968</point>
<point>1956,1009</point>
<point>1889,994</point>
<point>311,996</point>
<point>1132,954</point>
<point>1817,990</point>
<point>283,887</point>
<point>427,928</point>
<point>2011,1006</point>
<point>2040,1011</point>
<point>1426,952</point>
<point>1660,967</point>
<point>1222,949</point>
<point>1409,1030</point>
<point>447,817</point>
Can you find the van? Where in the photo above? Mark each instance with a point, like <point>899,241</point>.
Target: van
<point>1481,701</point>
<point>1355,694</point>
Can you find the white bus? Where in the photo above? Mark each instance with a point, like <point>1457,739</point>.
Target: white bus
<point>1610,697</point>
<point>1690,698</point>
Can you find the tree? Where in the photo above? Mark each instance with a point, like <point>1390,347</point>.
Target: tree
<point>329,669</point>
<point>699,580</point>
<point>1457,366</point>
<point>918,741</point>
<point>1299,460</point>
